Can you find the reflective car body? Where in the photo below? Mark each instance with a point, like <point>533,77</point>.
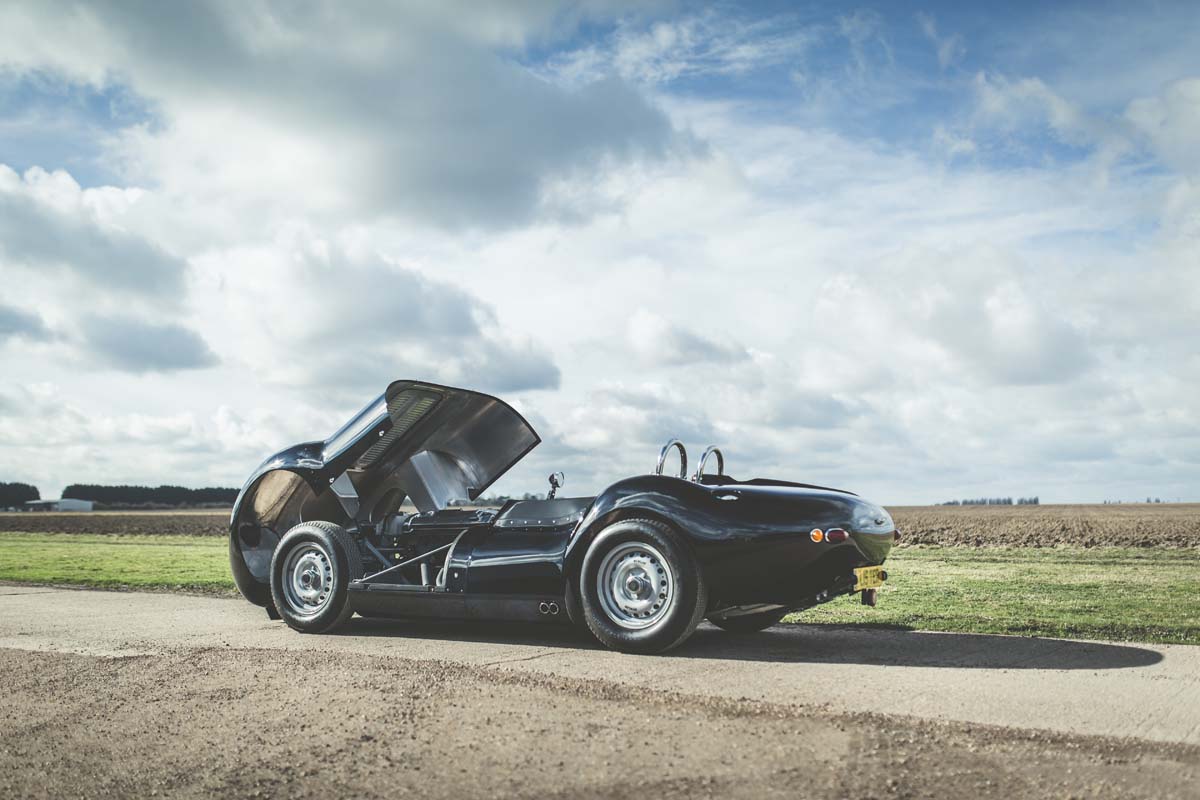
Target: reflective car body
<point>431,446</point>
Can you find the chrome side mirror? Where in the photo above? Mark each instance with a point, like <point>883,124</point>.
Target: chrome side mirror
<point>712,450</point>
<point>557,479</point>
<point>662,456</point>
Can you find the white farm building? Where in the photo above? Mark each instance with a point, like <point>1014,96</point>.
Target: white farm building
<point>66,504</point>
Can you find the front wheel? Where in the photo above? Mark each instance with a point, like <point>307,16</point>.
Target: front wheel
<point>748,623</point>
<point>311,572</point>
<point>641,588</point>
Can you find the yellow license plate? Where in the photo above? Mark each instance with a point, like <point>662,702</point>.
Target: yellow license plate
<point>868,578</point>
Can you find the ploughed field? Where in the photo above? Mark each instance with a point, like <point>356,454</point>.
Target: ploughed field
<point>120,523</point>
<point>1125,525</point>
<point>1130,525</point>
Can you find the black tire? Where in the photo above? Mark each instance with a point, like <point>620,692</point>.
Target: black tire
<point>327,552</point>
<point>649,549</point>
<point>749,623</point>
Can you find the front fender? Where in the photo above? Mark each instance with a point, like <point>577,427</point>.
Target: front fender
<point>271,501</point>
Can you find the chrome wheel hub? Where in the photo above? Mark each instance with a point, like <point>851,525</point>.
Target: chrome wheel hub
<point>307,579</point>
<point>635,585</point>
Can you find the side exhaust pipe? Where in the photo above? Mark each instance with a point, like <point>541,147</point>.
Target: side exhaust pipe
<point>550,609</point>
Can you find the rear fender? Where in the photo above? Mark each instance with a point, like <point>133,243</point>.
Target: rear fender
<point>671,501</point>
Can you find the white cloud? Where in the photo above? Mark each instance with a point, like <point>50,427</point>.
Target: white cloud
<point>1171,123</point>
<point>17,323</point>
<point>1018,103</point>
<point>699,45</point>
<point>864,31</point>
<point>951,143</point>
<point>48,224</point>
<point>1164,125</point>
<point>401,110</point>
<point>335,320</point>
<point>949,48</point>
<point>140,346</point>
<point>56,437</point>
<point>659,342</point>
<point>973,313</point>
<point>631,235</point>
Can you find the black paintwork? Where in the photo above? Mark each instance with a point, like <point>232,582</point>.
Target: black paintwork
<point>752,537</point>
<point>523,561</point>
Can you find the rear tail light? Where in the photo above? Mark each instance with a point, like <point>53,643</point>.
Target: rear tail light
<point>836,535</point>
<point>817,535</point>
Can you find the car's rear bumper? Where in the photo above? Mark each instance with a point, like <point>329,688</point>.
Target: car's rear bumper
<point>795,573</point>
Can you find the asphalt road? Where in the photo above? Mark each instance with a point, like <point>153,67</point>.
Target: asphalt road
<point>991,713</point>
<point>1144,691</point>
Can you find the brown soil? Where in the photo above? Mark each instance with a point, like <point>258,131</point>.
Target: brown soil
<point>238,723</point>
<point>193,523</point>
<point>1133,525</point>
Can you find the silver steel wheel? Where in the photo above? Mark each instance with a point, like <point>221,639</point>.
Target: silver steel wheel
<point>635,585</point>
<point>307,579</point>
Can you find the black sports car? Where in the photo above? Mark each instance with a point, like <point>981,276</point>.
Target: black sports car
<point>318,533</point>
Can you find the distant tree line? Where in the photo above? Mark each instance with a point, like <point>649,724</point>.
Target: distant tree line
<point>993,501</point>
<point>150,495</point>
<point>15,495</point>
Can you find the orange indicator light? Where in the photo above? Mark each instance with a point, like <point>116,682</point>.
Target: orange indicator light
<point>817,535</point>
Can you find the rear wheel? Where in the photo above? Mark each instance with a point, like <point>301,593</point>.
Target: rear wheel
<point>748,623</point>
<point>641,588</point>
<point>311,571</point>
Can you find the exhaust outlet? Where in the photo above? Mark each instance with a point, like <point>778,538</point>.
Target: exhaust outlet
<point>544,608</point>
<point>553,609</point>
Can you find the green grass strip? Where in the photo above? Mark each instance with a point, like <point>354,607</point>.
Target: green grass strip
<point>1121,594</point>
<point>110,562</point>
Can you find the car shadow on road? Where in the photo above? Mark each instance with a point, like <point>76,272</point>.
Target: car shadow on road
<point>455,630</point>
<point>803,644</point>
<point>827,644</point>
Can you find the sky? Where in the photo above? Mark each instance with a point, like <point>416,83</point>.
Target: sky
<point>919,251</point>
